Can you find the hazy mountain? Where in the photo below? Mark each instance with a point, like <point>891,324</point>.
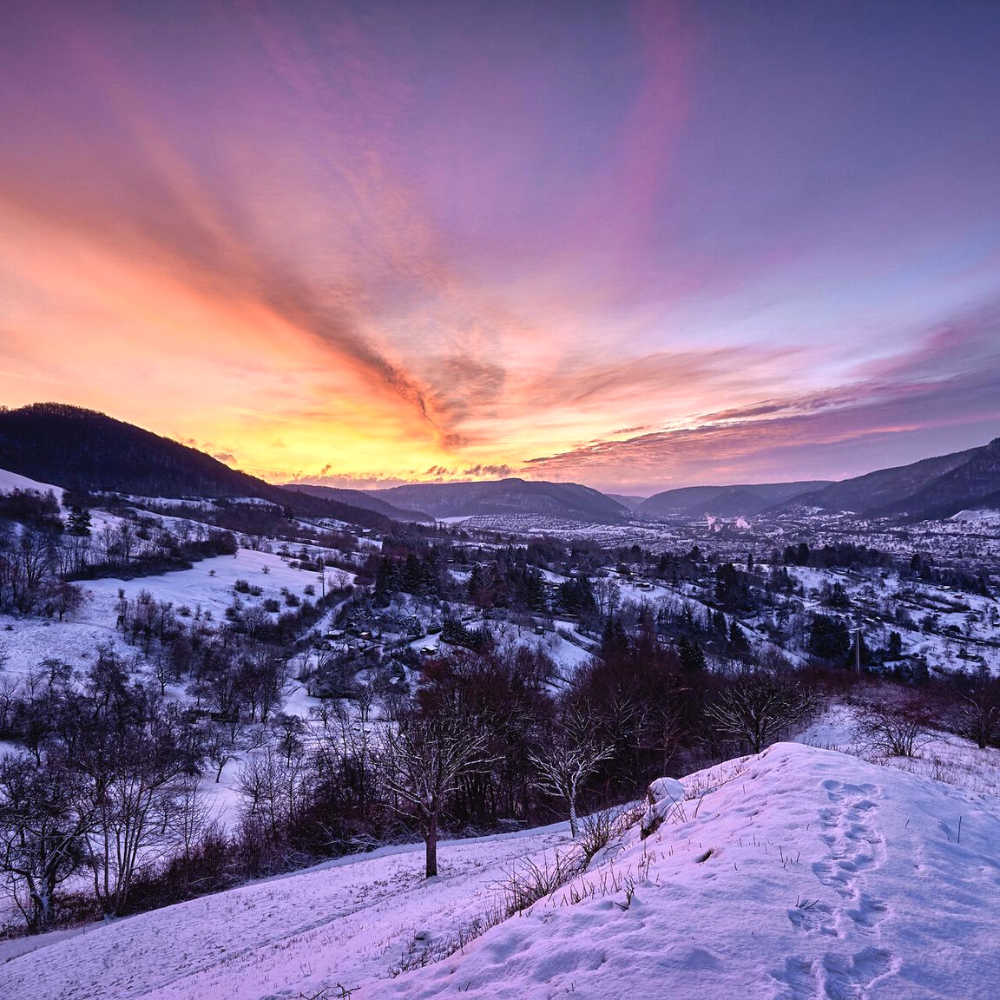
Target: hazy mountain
<point>83,449</point>
<point>725,501</point>
<point>883,487</point>
<point>933,487</point>
<point>360,498</point>
<point>506,496</point>
<point>633,503</point>
<point>974,483</point>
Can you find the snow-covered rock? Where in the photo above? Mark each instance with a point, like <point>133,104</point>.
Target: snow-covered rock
<point>664,798</point>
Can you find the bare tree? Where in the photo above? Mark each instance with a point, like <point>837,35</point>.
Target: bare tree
<point>423,760</point>
<point>607,591</point>
<point>125,540</point>
<point>364,695</point>
<point>272,782</point>
<point>229,742</point>
<point>981,714</point>
<point>892,723</point>
<point>130,758</point>
<point>758,706</point>
<point>42,838</point>
<point>565,764</point>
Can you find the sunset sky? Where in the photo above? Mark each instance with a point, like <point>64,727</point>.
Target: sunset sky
<point>632,245</point>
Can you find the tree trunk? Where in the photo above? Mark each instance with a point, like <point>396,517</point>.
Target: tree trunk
<point>431,839</point>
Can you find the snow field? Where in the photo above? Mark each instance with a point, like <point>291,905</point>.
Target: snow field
<point>208,585</point>
<point>349,921</point>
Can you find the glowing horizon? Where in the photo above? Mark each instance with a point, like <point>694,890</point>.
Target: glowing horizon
<point>632,245</point>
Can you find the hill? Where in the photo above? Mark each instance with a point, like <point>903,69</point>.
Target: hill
<point>724,501</point>
<point>360,498</point>
<point>971,484</point>
<point>796,874</point>
<point>932,488</point>
<point>631,502</point>
<point>85,450</point>
<point>936,487</point>
<point>506,496</point>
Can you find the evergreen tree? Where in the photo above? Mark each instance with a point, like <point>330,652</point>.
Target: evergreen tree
<point>79,522</point>
<point>615,639</point>
<point>692,657</point>
<point>894,650</point>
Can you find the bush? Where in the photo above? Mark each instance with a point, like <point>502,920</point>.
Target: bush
<point>892,723</point>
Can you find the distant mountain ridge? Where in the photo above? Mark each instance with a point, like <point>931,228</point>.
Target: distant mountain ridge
<point>78,448</point>
<point>506,496</point>
<point>633,503</point>
<point>86,450</point>
<point>725,501</point>
<point>360,498</point>
<point>931,488</point>
<point>936,487</point>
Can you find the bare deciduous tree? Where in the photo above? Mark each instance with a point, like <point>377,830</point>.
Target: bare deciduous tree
<point>42,837</point>
<point>981,714</point>
<point>568,761</point>
<point>892,723</point>
<point>758,706</point>
<point>423,760</point>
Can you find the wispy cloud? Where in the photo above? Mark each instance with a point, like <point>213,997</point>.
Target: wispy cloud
<point>383,241</point>
<point>950,378</point>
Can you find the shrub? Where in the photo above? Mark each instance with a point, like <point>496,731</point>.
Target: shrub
<point>892,723</point>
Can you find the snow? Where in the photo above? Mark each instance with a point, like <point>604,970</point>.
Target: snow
<point>664,799</point>
<point>809,874</point>
<point>12,481</point>
<point>208,584</point>
<point>343,922</point>
<point>942,756</point>
<point>799,873</point>
<point>991,516</point>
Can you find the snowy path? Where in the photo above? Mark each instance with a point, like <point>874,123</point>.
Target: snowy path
<point>850,869</point>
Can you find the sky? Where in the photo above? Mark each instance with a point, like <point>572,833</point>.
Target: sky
<point>634,245</point>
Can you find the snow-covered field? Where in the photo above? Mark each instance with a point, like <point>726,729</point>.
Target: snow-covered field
<point>208,585</point>
<point>942,756</point>
<point>349,921</point>
<point>13,481</point>
<point>801,873</point>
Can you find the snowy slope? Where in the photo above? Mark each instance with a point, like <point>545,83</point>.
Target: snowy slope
<point>12,481</point>
<point>207,585</point>
<point>812,874</point>
<point>803,873</point>
<point>349,921</point>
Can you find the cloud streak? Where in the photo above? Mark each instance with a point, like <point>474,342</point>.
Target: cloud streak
<point>949,380</point>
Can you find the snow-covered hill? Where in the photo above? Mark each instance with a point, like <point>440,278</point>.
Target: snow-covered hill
<point>800,873</point>
<point>12,481</point>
